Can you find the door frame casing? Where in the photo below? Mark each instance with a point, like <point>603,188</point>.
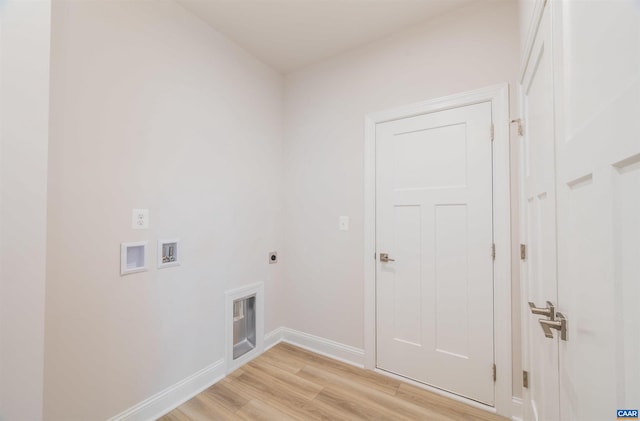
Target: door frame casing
<point>498,95</point>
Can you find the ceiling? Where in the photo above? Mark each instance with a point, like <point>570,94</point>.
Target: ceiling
<point>290,34</point>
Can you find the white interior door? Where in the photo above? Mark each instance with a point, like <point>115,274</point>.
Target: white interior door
<point>434,219</point>
<point>539,208</point>
<point>595,64</point>
<point>598,185</point>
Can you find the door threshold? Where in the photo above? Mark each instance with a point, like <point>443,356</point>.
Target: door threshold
<point>441,392</point>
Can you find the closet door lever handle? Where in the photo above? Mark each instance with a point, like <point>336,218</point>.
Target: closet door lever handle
<point>384,257</point>
<point>549,311</point>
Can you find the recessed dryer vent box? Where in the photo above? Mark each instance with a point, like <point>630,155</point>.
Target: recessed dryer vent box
<point>133,257</point>
<point>168,253</point>
<point>245,324</point>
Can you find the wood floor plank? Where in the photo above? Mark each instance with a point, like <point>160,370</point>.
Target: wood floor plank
<point>375,380</point>
<point>222,395</point>
<point>358,392</point>
<point>453,409</point>
<point>290,383</point>
<point>293,404</point>
<point>272,387</point>
<point>288,380</point>
<point>175,415</point>
<point>292,366</point>
<point>200,409</point>
<point>356,408</point>
<point>297,406</point>
<point>257,410</point>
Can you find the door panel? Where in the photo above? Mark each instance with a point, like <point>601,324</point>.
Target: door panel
<point>451,311</point>
<point>434,217</point>
<point>407,300</point>
<point>598,156</point>
<point>596,65</point>
<point>539,270</point>
<point>431,158</point>
<point>626,232</point>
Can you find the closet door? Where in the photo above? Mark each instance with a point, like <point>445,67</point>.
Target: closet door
<point>434,278</point>
<point>598,185</point>
<point>592,254</point>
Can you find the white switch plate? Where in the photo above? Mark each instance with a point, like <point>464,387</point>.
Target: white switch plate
<point>343,225</point>
<point>140,219</point>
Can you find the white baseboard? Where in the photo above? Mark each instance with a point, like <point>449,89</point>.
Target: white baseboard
<point>516,409</point>
<point>273,338</point>
<point>328,348</point>
<point>163,402</point>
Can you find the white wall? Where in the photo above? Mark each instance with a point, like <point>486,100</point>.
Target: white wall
<point>24,126</point>
<point>325,105</point>
<point>151,108</point>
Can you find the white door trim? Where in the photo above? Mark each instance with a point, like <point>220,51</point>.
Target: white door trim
<point>498,95</point>
<point>536,17</point>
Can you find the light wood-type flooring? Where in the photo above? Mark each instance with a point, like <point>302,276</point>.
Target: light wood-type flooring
<point>289,383</point>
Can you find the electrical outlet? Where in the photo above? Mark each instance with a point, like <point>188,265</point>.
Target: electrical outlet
<point>140,219</point>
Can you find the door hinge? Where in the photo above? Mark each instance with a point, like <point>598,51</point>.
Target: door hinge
<point>492,132</point>
<point>494,371</point>
<point>523,252</point>
<point>375,255</point>
<point>520,124</point>
<point>493,251</point>
<point>525,379</point>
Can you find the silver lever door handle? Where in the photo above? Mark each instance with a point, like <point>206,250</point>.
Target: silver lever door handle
<point>549,311</point>
<point>384,257</point>
<point>559,324</point>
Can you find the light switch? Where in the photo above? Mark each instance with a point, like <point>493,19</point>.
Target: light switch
<point>140,219</point>
<point>344,223</point>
